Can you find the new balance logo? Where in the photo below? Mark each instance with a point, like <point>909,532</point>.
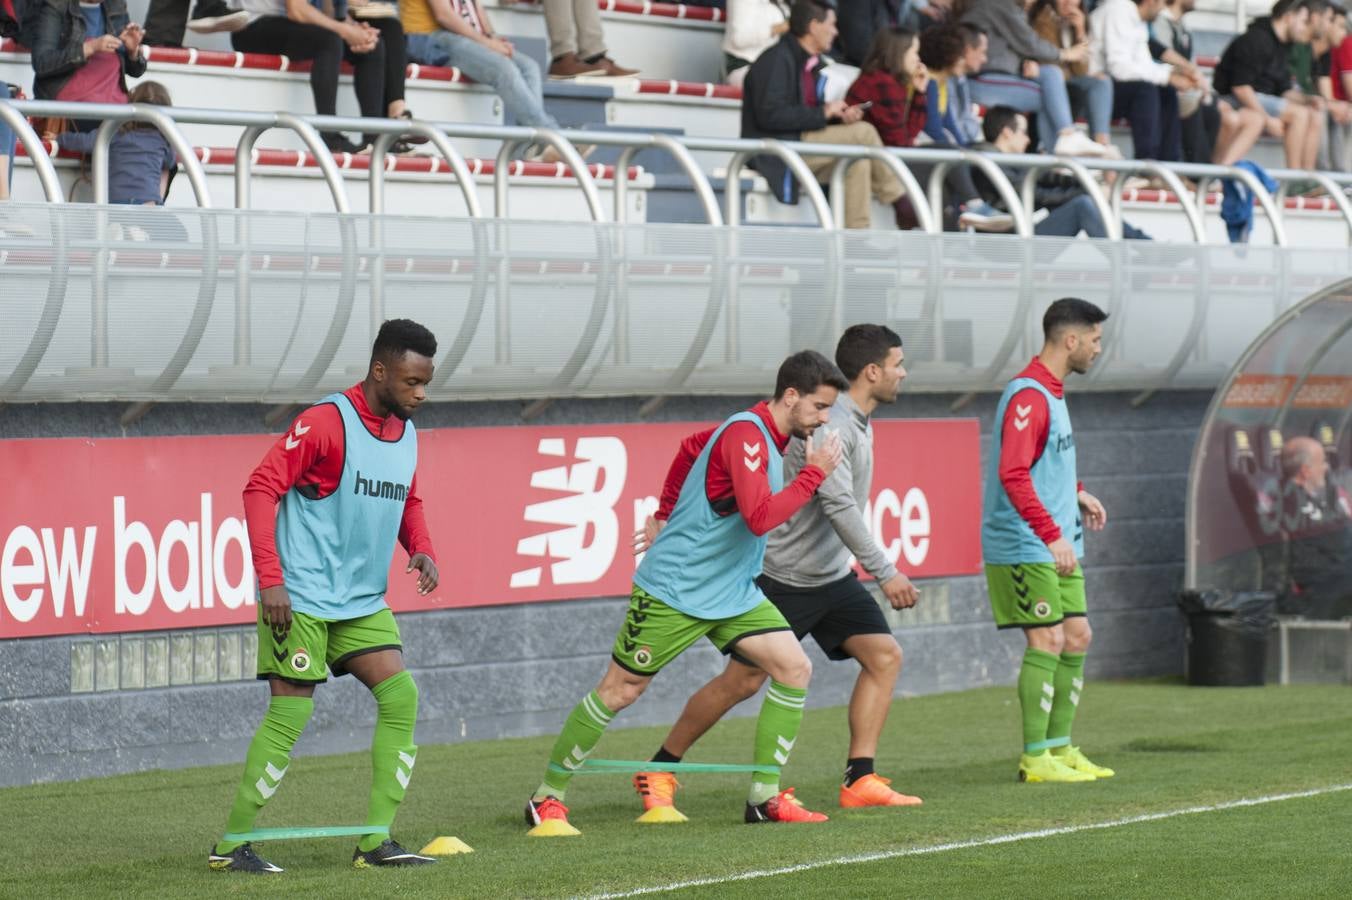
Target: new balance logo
<point>785,747</point>
<point>268,788</point>
<point>381,490</point>
<point>297,432</point>
<point>1021,414</point>
<point>404,776</point>
<point>590,488</point>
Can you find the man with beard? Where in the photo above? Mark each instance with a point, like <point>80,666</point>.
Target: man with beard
<point>1032,536</point>
<point>343,476</point>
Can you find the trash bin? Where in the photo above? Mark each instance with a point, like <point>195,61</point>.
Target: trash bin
<point>1227,636</point>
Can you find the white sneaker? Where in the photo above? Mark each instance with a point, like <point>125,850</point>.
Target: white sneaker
<point>1076,143</point>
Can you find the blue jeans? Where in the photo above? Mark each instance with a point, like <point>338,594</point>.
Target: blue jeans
<point>516,79</point>
<point>1077,215</point>
<point>1047,97</point>
<point>1098,100</point>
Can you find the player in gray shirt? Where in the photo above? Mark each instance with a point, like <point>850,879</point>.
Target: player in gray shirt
<point>807,575</point>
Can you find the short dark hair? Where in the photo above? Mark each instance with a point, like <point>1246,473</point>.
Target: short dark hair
<point>997,119</point>
<point>1070,312</point>
<point>941,47</point>
<point>1283,7</point>
<point>806,371</point>
<point>1316,7</point>
<point>804,12</point>
<point>862,345</point>
<point>399,336</point>
<point>971,34</point>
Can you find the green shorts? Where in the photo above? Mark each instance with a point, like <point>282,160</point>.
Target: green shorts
<point>1032,595</point>
<point>312,647</point>
<point>653,634</point>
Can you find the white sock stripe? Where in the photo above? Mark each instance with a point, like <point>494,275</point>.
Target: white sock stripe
<point>1074,698</point>
<point>785,700</point>
<point>1077,683</point>
<point>1046,705</point>
<point>274,773</point>
<point>408,759</point>
<point>968,845</point>
<point>594,710</point>
<point>1048,689</point>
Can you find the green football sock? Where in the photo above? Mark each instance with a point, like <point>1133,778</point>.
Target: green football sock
<point>1069,687</point>
<point>776,731</point>
<point>585,725</point>
<point>392,752</point>
<point>267,761</point>
<point>1037,678</point>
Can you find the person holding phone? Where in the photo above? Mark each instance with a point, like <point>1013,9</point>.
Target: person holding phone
<point>783,98</point>
<point>83,52</point>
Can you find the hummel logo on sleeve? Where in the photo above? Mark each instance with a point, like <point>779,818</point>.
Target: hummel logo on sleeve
<point>753,458</point>
<point>293,439</point>
<point>1021,416</point>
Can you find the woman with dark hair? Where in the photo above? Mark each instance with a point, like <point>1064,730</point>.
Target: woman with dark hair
<point>83,52</point>
<point>897,84</point>
<point>1064,24</point>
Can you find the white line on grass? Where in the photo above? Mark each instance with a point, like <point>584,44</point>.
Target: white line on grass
<point>967,845</point>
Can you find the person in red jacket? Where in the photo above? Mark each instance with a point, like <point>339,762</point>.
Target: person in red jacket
<point>892,87</point>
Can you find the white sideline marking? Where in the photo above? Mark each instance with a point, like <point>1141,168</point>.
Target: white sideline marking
<point>967,845</point>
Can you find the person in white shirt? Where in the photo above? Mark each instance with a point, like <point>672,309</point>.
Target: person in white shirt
<point>1145,92</point>
<point>753,26</point>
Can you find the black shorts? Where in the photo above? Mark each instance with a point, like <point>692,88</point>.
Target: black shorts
<point>831,613</point>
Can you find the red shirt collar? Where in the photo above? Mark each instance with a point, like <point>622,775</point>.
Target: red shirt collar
<point>1043,375</point>
<point>762,409</point>
<point>390,428</point>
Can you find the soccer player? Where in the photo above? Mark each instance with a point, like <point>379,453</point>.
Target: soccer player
<point>1032,537</point>
<point>808,578</point>
<point>344,478</point>
<point>726,492</point>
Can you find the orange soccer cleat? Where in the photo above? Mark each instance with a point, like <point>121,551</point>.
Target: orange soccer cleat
<point>873,790</point>
<point>783,807</point>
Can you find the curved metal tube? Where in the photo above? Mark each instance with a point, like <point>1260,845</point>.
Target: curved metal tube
<point>622,184</point>
<point>1192,208</point>
<point>698,180</point>
<point>571,158</point>
<point>1336,195</point>
<point>1023,222</point>
<point>37,153</point>
<point>153,115</point>
<point>463,177</point>
<point>322,156</point>
<point>928,221</point>
<point>586,344</point>
<point>1316,356</point>
<point>807,182</point>
<point>57,282</point>
<point>500,167</point>
<point>1201,302</point>
<point>469,325</point>
<point>244,163</point>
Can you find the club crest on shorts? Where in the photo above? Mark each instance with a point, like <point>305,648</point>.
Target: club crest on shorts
<point>643,656</point>
<point>1042,610</point>
<point>300,660</point>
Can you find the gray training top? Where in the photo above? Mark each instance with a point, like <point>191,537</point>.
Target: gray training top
<point>813,548</point>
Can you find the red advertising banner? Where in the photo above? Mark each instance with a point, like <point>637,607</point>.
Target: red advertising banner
<point>133,534</point>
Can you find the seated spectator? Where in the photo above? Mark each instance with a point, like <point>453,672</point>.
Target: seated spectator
<point>9,28</point>
<point>1255,73</point>
<point>376,50</point>
<point>458,33</point>
<point>897,83</point>
<point>1211,132</point>
<point>783,100</point>
<point>1311,65</point>
<point>1071,211</point>
<point>1023,71</point>
<point>753,26</point>
<point>577,45</point>
<point>166,20</point>
<point>1063,24</point>
<point>83,52</point>
<point>861,20</point>
<point>1338,89</point>
<point>1316,516</point>
<point>140,160</point>
<point>1145,92</point>
<point>975,46</point>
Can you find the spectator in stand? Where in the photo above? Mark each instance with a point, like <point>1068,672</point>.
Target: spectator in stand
<point>1211,132</point>
<point>896,82</point>
<point>577,45</point>
<point>1337,88</point>
<point>860,20</point>
<point>166,20</point>
<point>1311,64</point>
<point>783,100</point>
<point>753,27</point>
<point>1255,73</point>
<point>299,29</point>
<point>83,52</point>
<point>1064,24</point>
<point>1023,71</point>
<point>1145,92</point>
<point>9,28</point>
<point>975,46</point>
<point>941,51</point>
<point>1070,210</point>
<point>458,33</point>
<point>140,160</point>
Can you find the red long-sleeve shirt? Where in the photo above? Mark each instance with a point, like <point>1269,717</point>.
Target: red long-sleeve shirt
<point>737,480</point>
<point>309,456</point>
<point>1023,435</point>
<point>898,112</point>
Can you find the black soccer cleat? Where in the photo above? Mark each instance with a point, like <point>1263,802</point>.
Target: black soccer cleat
<point>388,854</point>
<point>241,859</point>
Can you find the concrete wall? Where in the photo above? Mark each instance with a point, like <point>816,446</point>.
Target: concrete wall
<point>73,707</point>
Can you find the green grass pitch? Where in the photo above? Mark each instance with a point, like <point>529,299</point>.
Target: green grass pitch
<point>1174,748</point>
